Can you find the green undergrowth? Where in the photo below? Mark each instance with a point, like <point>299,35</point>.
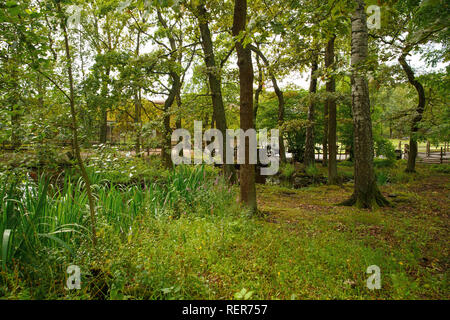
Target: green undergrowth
<point>188,238</point>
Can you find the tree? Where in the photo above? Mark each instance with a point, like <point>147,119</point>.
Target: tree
<point>259,89</point>
<point>175,70</point>
<point>280,97</point>
<point>366,193</point>
<point>331,106</point>
<point>310,153</point>
<point>71,98</point>
<point>137,99</point>
<point>102,29</point>
<point>12,99</point>
<point>247,171</point>
<point>214,78</point>
<point>411,24</point>
<point>412,155</point>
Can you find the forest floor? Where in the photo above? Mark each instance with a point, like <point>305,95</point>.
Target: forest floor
<point>302,246</point>
<point>329,246</point>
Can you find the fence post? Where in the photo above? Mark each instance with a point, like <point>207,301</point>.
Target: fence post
<point>442,156</point>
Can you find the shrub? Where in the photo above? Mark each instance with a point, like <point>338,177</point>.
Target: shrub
<point>382,178</point>
<point>345,163</point>
<point>287,170</point>
<point>384,147</point>
<point>384,163</point>
<point>44,220</point>
<point>312,170</point>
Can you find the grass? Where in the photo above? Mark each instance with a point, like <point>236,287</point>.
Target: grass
<point>407,241</point>
<point>422,145</point>
<point>188,238</point>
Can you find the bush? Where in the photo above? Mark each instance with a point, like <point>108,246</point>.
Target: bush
<point>346,163</point>
<point>111,165</point>
<point>397,174</point>
<point>384,147</point>
<point>287,170</point>
<point>382,178</point>
<point>44,222</point>
<point>312,170</point>
<point>384,163</point>
<point>296,143</point>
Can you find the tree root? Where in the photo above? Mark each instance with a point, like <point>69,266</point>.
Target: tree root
<point>367,201</point>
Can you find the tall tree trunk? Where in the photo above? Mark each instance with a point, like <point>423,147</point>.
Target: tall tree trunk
<point>280,96</point>
<point>366,193</point>
<point>73,113</point>
<point>325,135</point>
<point>173,92</point>
<point>137,121</point>
<point>104,108</point>
<point>167,140</point>
<point>215,85</point>
<point>167,143</point>
<point>281,108</point>
<point>331,102</point>
<point>310,157</point>
<point>411,167</point>
<point>178,123</point>
<point>13,101</point>
<point>247,172</point>
<point>42,155</point>
<point>258,90</point>
<point>103,125</point>
<point>15,127</point>
<point>137,105</point>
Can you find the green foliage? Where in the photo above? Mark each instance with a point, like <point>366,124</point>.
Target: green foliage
<point>295,131</point>
<point>312,170</point>
<point>211,249</point>
<point>180,233</point>
<point>440,168</point>
<point>111,164</point>
<point>346,164</point>
<point>287,170</point>
<point>244,294</point>
<point>384,147</point>
<point>384,163</point>
<point>382,178</point>
<point>38,218</point>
